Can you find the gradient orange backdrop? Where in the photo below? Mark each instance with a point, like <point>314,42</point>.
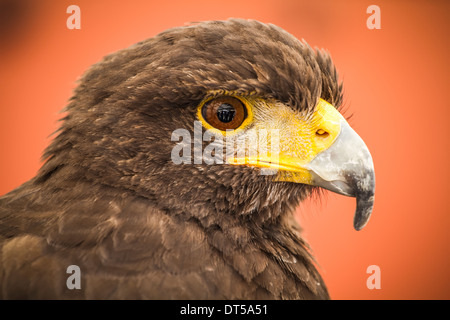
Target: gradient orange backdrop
<point>396,86</point>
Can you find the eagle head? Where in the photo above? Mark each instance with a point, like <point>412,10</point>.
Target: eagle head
<point>226,117</point>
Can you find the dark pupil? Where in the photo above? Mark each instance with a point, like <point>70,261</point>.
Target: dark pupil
<point>225,112</point>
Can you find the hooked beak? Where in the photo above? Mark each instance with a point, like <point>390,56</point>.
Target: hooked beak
<point>323,151</point>
<point>346,168</point>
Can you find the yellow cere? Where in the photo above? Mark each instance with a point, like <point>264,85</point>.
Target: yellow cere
<point>300,140</point>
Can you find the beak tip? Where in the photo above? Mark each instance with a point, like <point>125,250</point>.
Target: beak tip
<point>359,226</point>
<point>364,208</point>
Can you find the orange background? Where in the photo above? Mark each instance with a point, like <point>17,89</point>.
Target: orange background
<point>396,86</point>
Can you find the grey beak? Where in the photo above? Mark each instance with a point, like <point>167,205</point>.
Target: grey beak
<point>346,167</point>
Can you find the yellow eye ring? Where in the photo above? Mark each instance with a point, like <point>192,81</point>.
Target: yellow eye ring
<point>225,114</point>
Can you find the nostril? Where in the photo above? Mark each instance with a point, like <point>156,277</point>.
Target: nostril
<point>322,133</point>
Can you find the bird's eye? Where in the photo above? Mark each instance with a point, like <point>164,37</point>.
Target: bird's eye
<point>224,113</point>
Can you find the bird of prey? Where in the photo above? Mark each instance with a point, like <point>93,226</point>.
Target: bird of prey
<point>120,197</point>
